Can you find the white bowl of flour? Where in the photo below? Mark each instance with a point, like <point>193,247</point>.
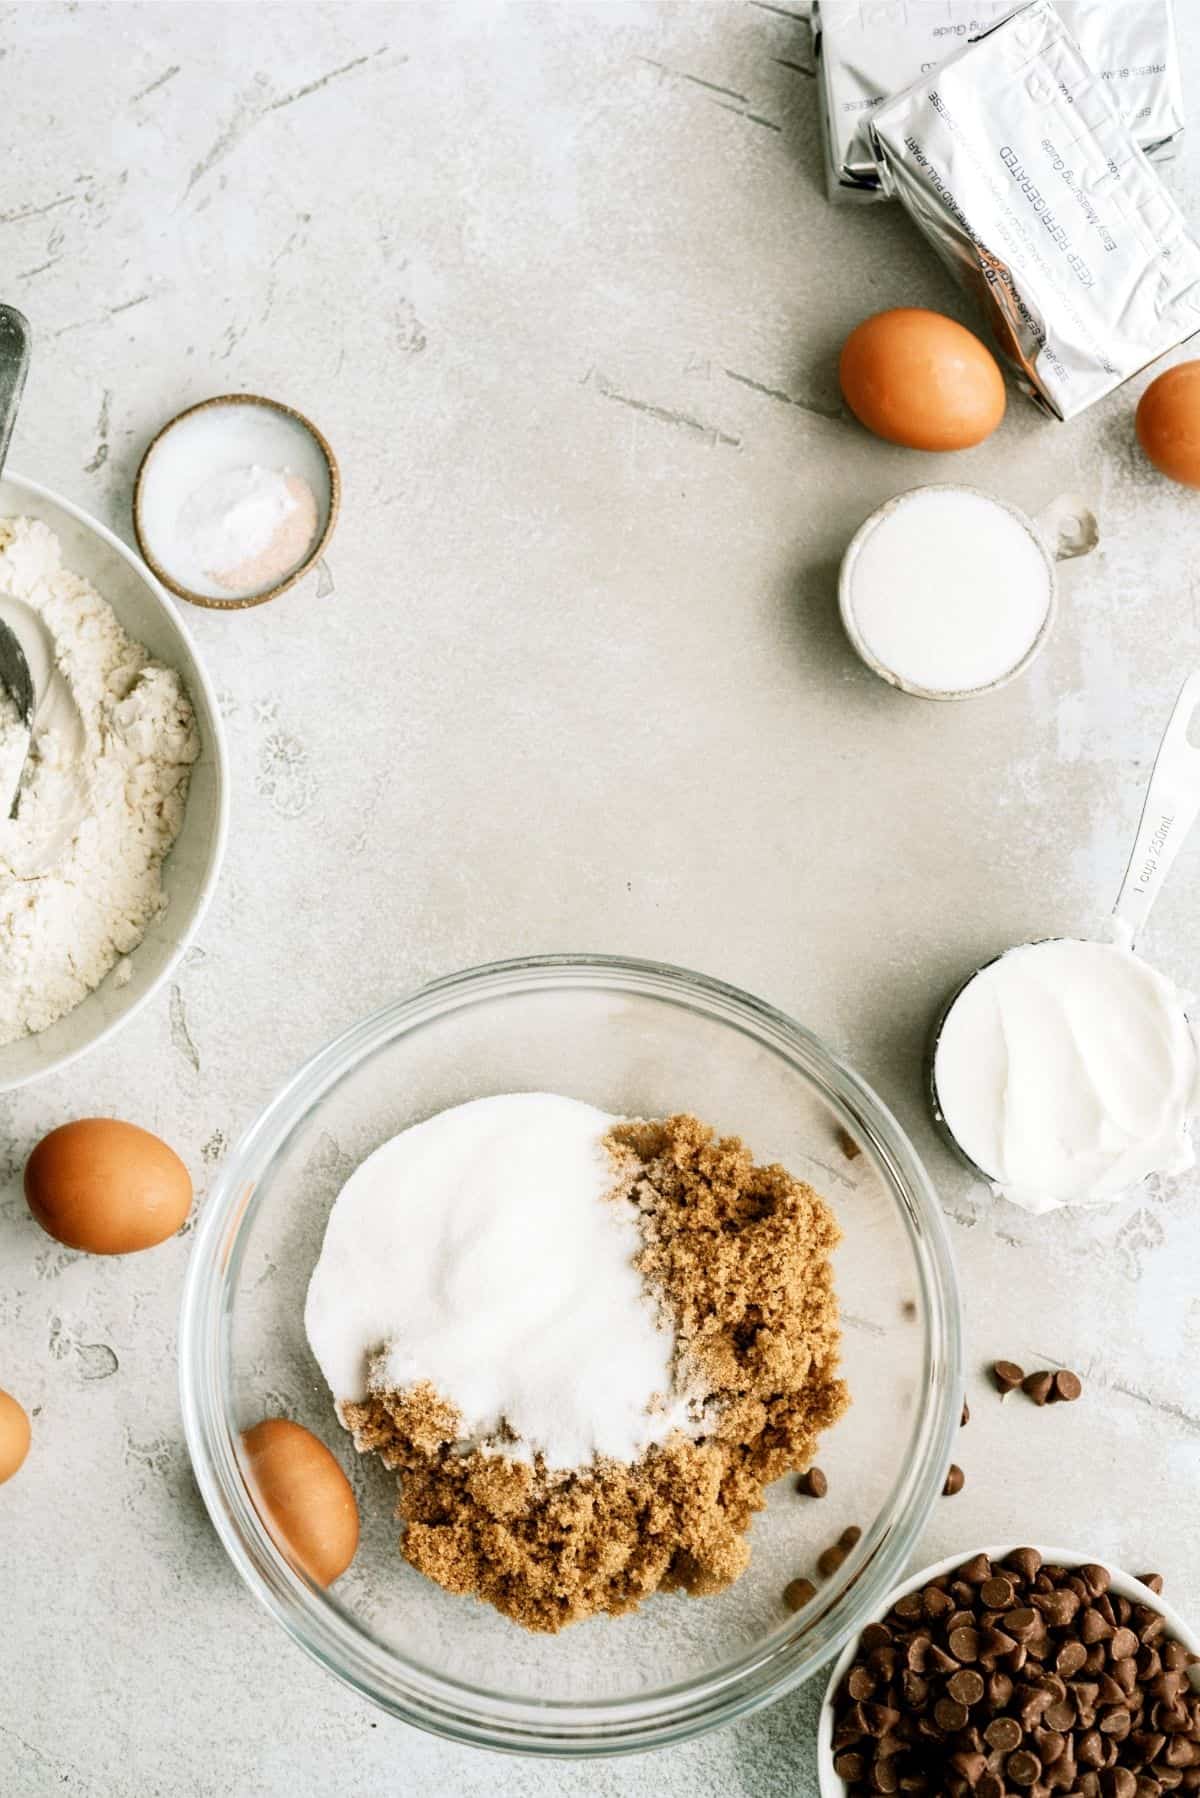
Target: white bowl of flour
<point>189,873</point>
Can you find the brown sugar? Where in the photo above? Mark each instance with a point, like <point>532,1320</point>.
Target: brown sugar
<point>737,1258</point>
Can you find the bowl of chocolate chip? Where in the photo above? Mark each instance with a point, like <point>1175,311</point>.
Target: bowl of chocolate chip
<point>1016,1671</point>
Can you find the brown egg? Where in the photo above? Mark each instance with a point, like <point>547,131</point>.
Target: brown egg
<point>1168,423</point>
<point>107,1187</point>
<point>303,1497</point>
<point>14,1436</point>
<point>917,378</point>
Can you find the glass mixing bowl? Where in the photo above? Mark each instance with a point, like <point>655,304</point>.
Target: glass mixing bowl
<point>644,1040</point>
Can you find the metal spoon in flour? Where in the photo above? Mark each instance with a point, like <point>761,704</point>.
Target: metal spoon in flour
<point>16,681</point>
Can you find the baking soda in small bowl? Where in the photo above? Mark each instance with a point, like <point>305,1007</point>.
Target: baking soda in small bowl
<point>947,593</point>
<point>235,499</point>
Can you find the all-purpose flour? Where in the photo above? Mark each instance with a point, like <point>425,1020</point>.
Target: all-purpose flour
<point>103,795</point>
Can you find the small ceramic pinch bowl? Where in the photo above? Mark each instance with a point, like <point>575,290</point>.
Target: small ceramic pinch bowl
<point>641,1039</point>
<point>225,439</point>
<point>1123,1584</point>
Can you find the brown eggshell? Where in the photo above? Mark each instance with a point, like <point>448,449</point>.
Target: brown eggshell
<point>922,380</point>
<point>1168,423</point>
<point>303,1497</point>
<point>107,1187</point>
<point>14,1436</point>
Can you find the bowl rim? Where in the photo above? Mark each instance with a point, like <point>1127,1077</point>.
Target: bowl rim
<point>198,677</point>
<point>455,1708</point>
<point>1126,1585</point>
<point>846,594</point>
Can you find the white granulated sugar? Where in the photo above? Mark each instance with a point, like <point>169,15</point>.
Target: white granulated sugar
<point>480,1251</point>
<point>103,795</point>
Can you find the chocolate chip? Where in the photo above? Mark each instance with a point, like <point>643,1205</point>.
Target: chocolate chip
<point>1096,1578</point>
<point>1060,1715</point>
<point>1153,1580</point>
<point>1070,1659</point>
<point>1118,1782</point>
<point>1115,1723</point>
<point>1067,1385</point>
<point>850,1765</point>
<point>1026,1562</point>
<point>1123,1644</point>
<point>975,1571</point>
<point>1003,1734</point>
<point>965,1419</point>
<point>1050,1746</point>
<point>860,1682</point>
<point>997,1593</point>
<point>999,1690</point>
<point>1007,1376</point>
<point>1126,1675</point>
<point>813,1483</point>
<point>911,1606</point>
<point>955,1481</point>
<point>949,1714</point>
<point>1094,1628</point>
<point>1022,1767</point>
<point>964,1643</point>
<point>1059,1608</point>
<point>1089,1749</point>
<point>884,1776</point>
<point>829,1560</point>
<point>965,1687</point>
<point>936,1603</point>
<point>876,1635</point>
<point>1038,1386</point>
<point>1021,1623</point>
<point>990,1786</point>
<point>849,1537</point>
<point>797,1593</point>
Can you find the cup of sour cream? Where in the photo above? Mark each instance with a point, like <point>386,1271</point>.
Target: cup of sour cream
<point>947,592</point>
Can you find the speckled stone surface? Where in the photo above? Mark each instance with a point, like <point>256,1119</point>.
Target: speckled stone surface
<point>561,286</point>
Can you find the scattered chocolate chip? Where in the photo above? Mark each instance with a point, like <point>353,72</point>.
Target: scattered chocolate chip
<point>847,1145</point>
<point>849,1537</point>
<point>1067,1385</point>
<point>813,1483</point>
<point>829,1560</point>
<point>965,1419</point>
<point>955,1481</point>
<point>797,1593</point>
<point>1038,1386</point>
<point>1007,1376</point>
<point>1153,1580</point>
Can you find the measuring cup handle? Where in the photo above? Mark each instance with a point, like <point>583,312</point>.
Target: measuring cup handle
<point>14,366</point>
<point>1172,804</point>
<point>1068,527</point>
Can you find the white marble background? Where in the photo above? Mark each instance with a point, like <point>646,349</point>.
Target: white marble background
<point>560,284</point>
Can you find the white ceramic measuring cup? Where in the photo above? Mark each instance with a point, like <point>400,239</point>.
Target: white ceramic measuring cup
<point>1062,530</point>
<point>1171,807</point>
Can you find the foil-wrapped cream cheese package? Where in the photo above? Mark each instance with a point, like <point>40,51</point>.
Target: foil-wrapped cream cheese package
<point>1011,159</point>
<point>869,49</point>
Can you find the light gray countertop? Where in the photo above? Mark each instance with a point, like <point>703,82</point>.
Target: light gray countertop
<point>560,284</point>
